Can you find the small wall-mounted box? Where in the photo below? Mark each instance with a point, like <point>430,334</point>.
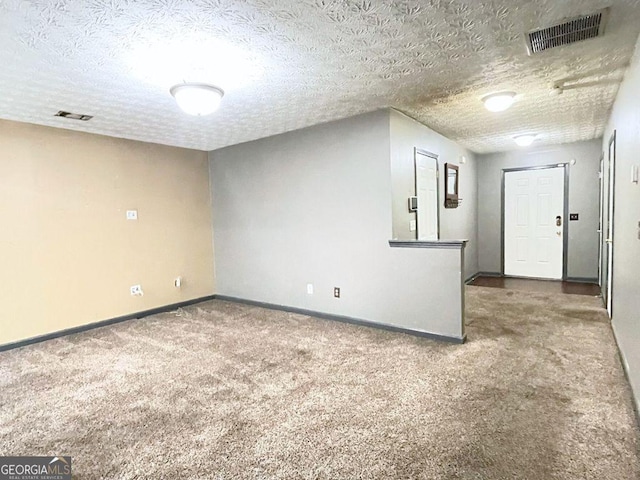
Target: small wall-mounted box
<point>413,204</point>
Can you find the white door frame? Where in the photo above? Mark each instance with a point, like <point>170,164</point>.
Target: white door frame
<point>601,220</point>
<point>420,151</point>
<point>565,213</point>
<point>609,239</point>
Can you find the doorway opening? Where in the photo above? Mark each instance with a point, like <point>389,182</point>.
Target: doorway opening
<point>426,174</point>
<point>607,210</point>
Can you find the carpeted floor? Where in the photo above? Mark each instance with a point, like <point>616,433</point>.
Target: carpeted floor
<point>222,391</point>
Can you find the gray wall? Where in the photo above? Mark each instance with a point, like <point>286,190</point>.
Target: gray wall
<point>314,206</point>
<point>583,199</point>
<point>455,223</point>
<point>625,119</point>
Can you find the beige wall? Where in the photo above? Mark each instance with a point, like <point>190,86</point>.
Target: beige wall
<point>67,253</point>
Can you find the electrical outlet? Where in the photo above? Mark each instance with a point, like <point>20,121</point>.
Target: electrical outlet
<point>336,292</point>
<point>177,282</point>
<point>412,225</point>
<point>310,288</point>
<point>136,290</point>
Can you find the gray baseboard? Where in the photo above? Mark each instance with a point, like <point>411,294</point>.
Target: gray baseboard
<point>471,278</point>
<point>344,319</point>
<point>498,274</point>
<point>481,274</point>
<point>101,323</point>
<point>582,280</point>
<point>174,306</point>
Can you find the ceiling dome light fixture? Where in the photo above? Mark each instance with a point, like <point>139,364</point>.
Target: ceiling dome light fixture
<point>197,98</point>
<point>499,102</point>
<point>525,140</point>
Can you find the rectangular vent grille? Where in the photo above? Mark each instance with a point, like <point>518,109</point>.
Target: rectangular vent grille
<point>566,33</point>
<point>73,116</point>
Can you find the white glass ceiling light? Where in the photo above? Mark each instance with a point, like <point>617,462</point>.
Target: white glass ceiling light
<point>498,102</point>
<point>197,98</point>
<point>525,140</point>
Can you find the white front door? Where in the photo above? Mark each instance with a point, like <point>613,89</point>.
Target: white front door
<point>534,222</point>
<point>427,192</point>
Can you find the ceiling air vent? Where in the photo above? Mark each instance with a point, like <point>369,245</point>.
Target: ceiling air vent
<point>73,116</point>
<point>570,31</point>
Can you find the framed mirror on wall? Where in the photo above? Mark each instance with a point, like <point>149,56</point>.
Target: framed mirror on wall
<point>451,186</point>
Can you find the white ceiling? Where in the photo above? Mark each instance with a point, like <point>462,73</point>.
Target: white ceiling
<point>287,64</point>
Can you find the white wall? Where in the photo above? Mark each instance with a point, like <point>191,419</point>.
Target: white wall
<point>583,199</point>
<point>455,223</point>
<point>625,120</point>
<point>314,206</point>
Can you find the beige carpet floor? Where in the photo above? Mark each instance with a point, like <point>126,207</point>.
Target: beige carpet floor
<point>221,390</point>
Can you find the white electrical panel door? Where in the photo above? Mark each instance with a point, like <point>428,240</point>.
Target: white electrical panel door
<point>534,223</point>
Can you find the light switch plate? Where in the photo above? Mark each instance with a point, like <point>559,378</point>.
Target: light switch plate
<point>132,214</point>
<point>412,226</point>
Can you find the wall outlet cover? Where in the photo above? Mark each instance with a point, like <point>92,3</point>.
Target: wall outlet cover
<point>336,292</point>
<point>310,288</point>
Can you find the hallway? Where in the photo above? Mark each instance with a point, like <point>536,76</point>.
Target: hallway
<point>561,406</point>
<point>527,284</point>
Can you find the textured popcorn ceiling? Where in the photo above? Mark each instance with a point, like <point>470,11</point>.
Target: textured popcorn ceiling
<point>287,64</point>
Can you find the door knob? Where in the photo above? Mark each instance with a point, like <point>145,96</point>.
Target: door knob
<point>558,221</point>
